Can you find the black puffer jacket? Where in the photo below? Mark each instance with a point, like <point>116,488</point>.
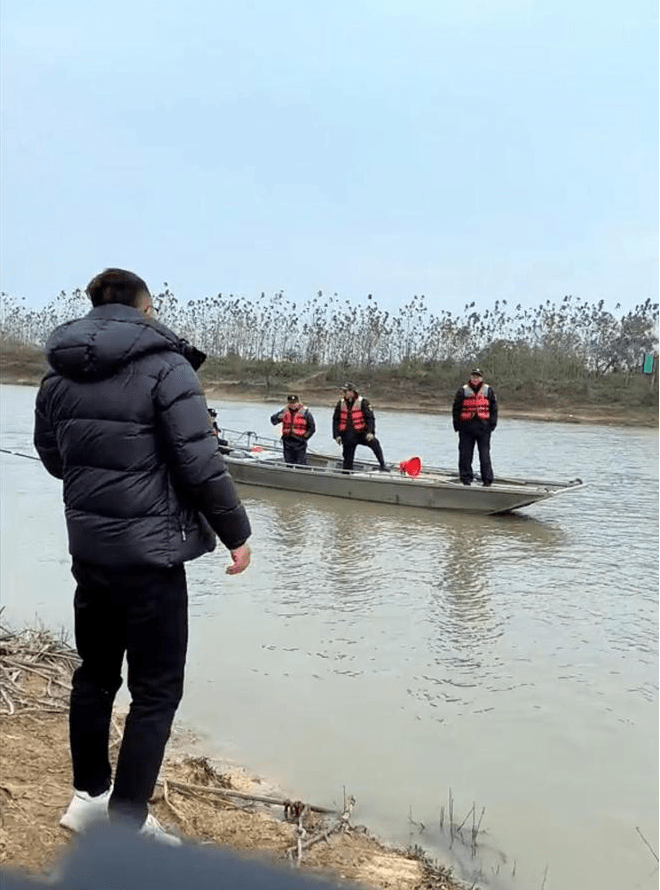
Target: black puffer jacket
<point>122,420</point>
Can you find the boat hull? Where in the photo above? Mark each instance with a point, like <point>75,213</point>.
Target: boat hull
<point>431,490</point>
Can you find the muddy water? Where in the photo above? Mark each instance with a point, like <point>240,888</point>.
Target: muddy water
<point>399,655</point>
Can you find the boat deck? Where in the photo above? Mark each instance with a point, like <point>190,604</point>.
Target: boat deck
<point>434,488</point>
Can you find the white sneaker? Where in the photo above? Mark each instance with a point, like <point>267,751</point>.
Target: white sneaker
<point>155,832</point>
<point>85,811</point>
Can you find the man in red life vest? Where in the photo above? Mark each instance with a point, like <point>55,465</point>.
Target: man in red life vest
<point>475,417</point>
<point>353,424</point>
<point>297,428</point>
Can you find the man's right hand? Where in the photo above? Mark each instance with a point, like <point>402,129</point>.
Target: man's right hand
<point>240,560</point>
<point>338,440</point>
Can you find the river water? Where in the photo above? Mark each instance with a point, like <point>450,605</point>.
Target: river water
<point>409,657</point>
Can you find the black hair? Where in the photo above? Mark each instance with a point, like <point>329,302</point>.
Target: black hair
<point>116,286</point>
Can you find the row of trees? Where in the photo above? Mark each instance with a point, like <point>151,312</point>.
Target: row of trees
<point>573,336</point>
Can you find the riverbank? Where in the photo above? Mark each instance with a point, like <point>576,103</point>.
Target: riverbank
<point>201,800</point>
<point>232,391</point>
<point>609,403</point>
<point>235,391</point>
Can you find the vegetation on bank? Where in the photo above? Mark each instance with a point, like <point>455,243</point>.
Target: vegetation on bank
<point>570,353</point>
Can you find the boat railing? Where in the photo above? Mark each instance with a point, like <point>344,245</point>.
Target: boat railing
<point>248,439</point>
<point>252,444</point>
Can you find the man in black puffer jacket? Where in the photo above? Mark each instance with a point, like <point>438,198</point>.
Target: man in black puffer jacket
<point>122,420</point>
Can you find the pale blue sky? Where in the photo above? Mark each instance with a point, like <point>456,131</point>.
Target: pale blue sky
<point>501,149</point>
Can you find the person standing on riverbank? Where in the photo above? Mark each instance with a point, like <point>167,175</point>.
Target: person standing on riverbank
<point>353,424</point>
<point>298,427</point>
<point>122,420</point>
<point>474,415</point>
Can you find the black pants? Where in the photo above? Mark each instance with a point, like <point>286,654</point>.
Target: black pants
<point>475,432</point>
<point>350,443</point>
<point>143,613</point>
<point>295,451</point>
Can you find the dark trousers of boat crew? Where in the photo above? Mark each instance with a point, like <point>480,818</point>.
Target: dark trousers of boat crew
<point>141,613</point>
<point>295,451</point>
<point>351,442</point>
<point>474,432</point>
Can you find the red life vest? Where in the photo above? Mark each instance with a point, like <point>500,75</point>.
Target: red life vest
<point>294,423</point>
<point>476,404</point>
<point>358,422</point>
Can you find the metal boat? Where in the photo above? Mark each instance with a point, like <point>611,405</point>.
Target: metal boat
<point>255,460</point>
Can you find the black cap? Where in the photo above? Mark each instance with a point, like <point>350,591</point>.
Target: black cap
<point>350,386</point>
<point>476,371</point>
<point>292,398</point>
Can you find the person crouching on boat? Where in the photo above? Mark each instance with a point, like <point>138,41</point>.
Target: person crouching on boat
<point>298,427</point>
<point>474,417</point>
<point>353,424</point>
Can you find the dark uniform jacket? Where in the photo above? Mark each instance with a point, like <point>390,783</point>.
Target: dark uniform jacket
<point>122,420</point>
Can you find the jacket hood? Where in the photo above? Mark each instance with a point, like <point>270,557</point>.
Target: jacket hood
<point>96,346</point>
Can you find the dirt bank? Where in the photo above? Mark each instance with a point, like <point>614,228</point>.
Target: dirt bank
<point>26,366</point>
<point>232,391</point>
<point>201,800</point>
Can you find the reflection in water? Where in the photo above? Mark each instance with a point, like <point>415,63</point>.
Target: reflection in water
<point>321,564</point>
<point>467,564</point>
<point>461,607</point>
<point>354,556</point>
<point>289,524</point>
<point>475,547</point>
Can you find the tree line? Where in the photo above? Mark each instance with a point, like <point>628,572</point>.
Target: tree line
<point>570,340</point>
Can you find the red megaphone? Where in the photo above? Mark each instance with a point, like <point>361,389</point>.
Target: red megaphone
<point>412,467</point>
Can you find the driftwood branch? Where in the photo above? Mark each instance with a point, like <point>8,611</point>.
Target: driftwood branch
<point>169,803</point>
<point>342,823</point>
<point>37,653</point>
<point>243,795</point>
